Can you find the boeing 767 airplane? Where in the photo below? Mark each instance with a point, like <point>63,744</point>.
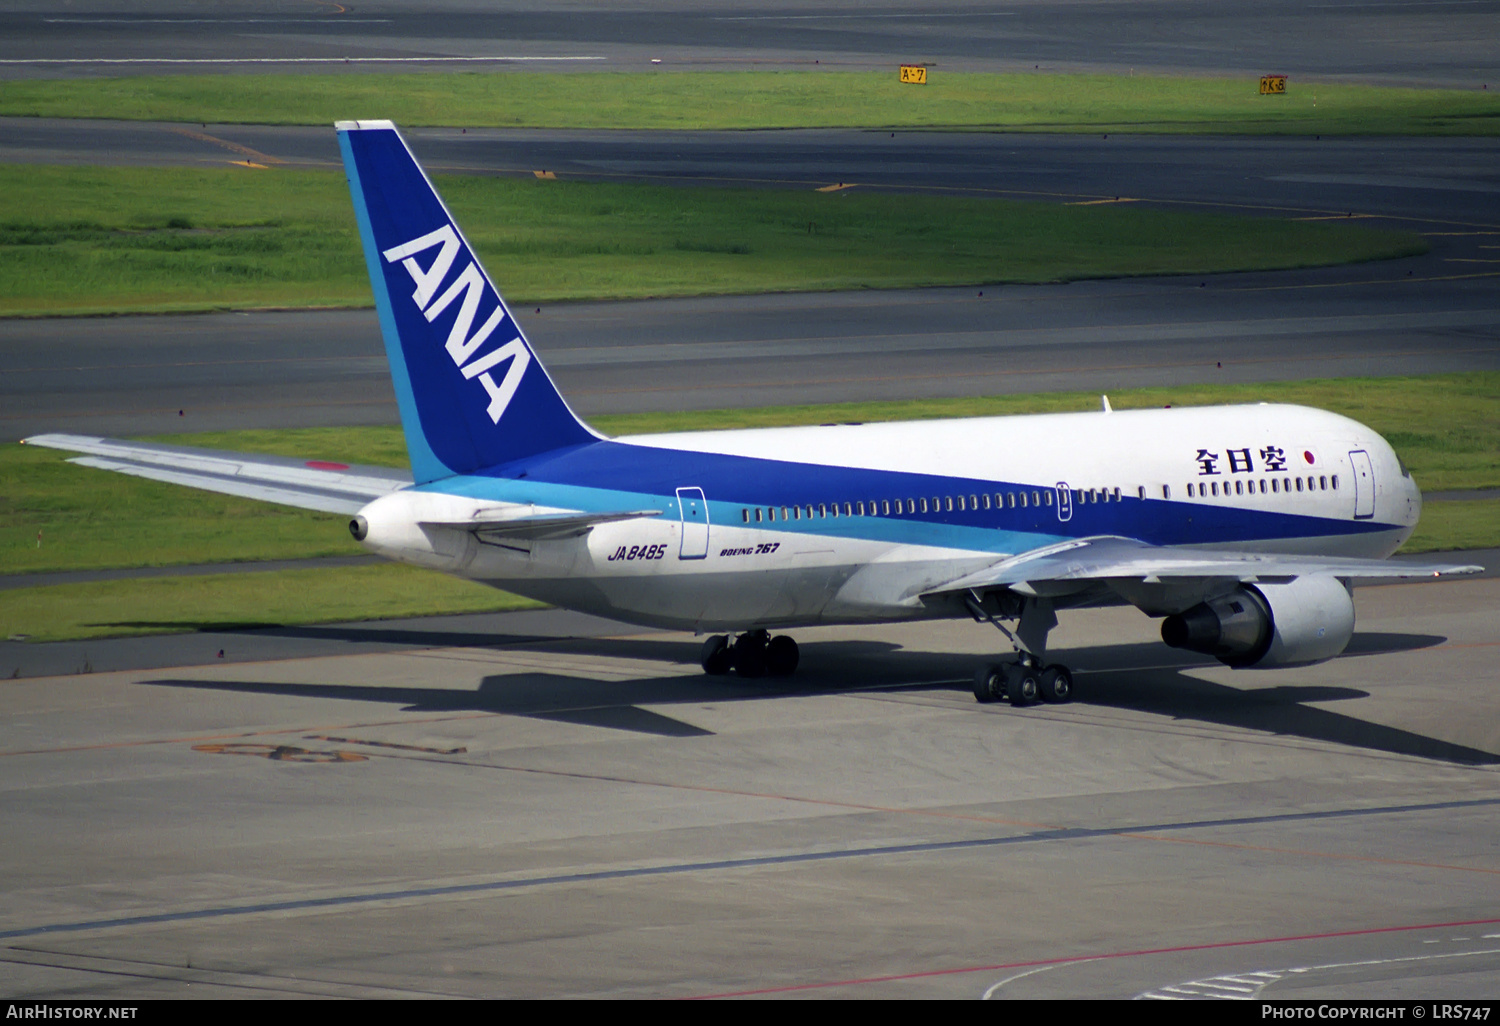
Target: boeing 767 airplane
<point>1242,526</point>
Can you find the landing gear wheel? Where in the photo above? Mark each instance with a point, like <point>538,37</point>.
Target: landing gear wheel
<point>989,684</point>
<point>749,654</point>
<point>1056,685</point>
<point>1020,684</point>
<point>781,656</point>
<point>716,657</point>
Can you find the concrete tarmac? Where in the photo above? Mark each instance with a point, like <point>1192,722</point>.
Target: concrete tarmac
<point>577,815</point>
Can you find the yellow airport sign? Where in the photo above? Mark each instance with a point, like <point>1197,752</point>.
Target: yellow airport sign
<point>915,74</point>
<point>1272,85</point>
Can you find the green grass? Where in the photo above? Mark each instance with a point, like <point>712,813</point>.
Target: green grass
<point>1446,427</point>
<point>56,516</point>
<point>761,99</point>
<point>173,605</point>
<point>101,240</point>
<point>1450,526</point>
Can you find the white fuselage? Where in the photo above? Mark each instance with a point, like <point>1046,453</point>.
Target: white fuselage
<point>853,523</point>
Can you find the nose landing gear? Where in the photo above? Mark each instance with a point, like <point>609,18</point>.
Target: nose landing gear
<point>752,654</point>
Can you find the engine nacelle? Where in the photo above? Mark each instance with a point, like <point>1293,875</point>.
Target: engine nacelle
<point>1306,621</point>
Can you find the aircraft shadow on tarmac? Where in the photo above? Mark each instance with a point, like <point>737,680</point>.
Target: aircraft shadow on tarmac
<point>1133,677</point>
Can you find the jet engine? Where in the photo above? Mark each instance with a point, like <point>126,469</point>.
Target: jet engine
<point>1307,620</point>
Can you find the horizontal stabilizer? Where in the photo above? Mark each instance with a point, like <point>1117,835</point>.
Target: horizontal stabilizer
<point>306,484</point>
<point>537,526</point>
<point>1109,558</point>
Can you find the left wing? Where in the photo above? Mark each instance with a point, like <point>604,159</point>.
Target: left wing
<point>306,484</point>
<point>1110,558</point>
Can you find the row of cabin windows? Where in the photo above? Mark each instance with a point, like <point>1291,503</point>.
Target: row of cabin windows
<point>1021,500</point>
<point>937,504</point>
<point>1311,483</point>
<point>900,507</point>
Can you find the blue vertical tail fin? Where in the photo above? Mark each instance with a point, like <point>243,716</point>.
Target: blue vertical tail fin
<point>472,393</point>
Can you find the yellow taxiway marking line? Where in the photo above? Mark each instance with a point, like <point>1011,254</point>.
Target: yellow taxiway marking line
<point>233,147</point>
<point>836,188</point>
<point>1097,202</point>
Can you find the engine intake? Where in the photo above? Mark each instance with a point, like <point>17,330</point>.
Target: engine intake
<point>1305,621</point>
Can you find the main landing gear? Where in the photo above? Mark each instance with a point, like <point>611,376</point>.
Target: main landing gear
<point>1028,679</point>
<point>752,654</point>
<point>1023,683</point>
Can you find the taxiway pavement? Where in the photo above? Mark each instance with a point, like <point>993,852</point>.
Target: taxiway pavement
<point>573,815</point>
<point>1447,43</point>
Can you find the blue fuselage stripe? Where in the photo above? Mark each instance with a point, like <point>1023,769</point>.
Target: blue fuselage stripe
<point>608,475</point>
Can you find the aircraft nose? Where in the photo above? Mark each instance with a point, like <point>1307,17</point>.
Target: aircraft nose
<point>1413,500</point>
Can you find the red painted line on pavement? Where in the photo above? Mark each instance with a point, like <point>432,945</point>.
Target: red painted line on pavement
<point>1090,958</point>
